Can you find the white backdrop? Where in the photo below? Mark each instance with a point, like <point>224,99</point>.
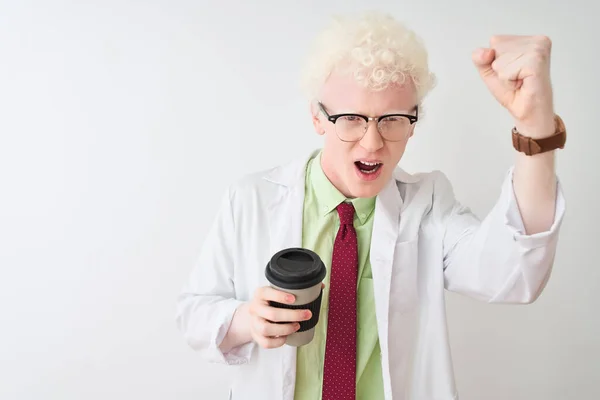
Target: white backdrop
<point>122,121</point>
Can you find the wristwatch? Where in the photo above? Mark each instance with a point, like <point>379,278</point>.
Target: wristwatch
<point>531,146</point>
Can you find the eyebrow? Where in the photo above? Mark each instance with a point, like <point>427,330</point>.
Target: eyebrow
<point>392,112</point>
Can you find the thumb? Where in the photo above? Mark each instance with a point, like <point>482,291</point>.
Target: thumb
<point>483,58</point>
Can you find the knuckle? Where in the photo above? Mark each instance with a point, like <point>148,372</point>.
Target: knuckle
<point>504,76</point>
<point>286,316</point>
<point>259,293</point>
<point>259,324</point>
<point>543,46</point>
<point>252,308</point>
<point>539,57</point>
<point>263,329</point>
<point>255,309</point>
<point>270,314</point>
<point>544,41</point>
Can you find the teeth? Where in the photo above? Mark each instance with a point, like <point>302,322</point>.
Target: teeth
<point>368,163</point>
<point>364,171</point>
<point>368,172</point>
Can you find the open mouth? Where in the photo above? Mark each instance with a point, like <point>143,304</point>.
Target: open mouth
<point>368,168</point>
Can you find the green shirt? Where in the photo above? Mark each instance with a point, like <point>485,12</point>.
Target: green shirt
<point>320,226</point>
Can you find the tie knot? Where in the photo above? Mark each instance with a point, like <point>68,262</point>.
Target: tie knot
<point>346,213</point>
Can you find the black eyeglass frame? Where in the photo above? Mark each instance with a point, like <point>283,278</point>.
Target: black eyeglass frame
<point>334,117</point>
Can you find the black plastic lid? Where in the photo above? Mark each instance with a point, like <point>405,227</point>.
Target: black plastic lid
<point>295,268</point>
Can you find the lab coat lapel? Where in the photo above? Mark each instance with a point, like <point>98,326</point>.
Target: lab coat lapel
<point>393,261</point>
<point>285,231</point>
<point>383,241</point>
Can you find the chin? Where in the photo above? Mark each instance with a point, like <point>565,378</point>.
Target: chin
<point>361,189</point>
<point>367,186</point>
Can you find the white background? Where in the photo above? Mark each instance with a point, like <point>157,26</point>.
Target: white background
<point>121,123</point>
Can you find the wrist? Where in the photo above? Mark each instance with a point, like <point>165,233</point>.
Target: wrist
<point>535,141</point>
<point>239,332</point>
<point>539,130</point>
<point>242,320</point>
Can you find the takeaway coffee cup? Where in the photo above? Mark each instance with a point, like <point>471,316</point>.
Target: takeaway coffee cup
<point>300,272</point>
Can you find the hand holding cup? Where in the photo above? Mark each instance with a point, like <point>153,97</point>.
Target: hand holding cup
<point>270,326</point>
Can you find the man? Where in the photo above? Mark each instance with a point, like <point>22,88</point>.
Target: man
<point>410,238</point>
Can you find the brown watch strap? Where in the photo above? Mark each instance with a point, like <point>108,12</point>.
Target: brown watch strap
<point>531,146</point>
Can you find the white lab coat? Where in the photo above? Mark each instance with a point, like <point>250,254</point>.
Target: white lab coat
<point>423,242</point>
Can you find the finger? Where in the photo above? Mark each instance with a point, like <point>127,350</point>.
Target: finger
<point>511,66</point>
<point>270,343</point>
<point>268,329</point>
<point>507,59</point>
<point>527,66</point>
<point>483,58</point>
<point>498,39</point>
<point>505,43</point>
<point>274,314</point>
<point>508,70</point>
<point>267,293</point>
<point>516,70</point>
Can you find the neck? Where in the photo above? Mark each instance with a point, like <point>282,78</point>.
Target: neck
<point>333,177</point>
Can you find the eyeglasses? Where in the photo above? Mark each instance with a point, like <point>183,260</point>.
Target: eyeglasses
<point>353,127</point>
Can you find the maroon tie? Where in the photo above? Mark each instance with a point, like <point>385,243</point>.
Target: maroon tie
<point>339,375</point>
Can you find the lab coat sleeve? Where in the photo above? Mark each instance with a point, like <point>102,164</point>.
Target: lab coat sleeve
<point>494,260</point>
<point>208,301</point>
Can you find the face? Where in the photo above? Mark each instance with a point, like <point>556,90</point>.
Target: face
<point>348,165</point>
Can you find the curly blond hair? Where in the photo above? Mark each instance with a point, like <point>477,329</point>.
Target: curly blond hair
<point>375,48</point>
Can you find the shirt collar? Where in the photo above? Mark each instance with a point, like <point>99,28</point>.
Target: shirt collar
<point>329,197</point>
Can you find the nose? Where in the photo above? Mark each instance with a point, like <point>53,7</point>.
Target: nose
<point>372,140</point>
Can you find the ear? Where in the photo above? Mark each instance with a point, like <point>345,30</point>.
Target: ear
<point>317,123</point>
<point>412,130</point>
